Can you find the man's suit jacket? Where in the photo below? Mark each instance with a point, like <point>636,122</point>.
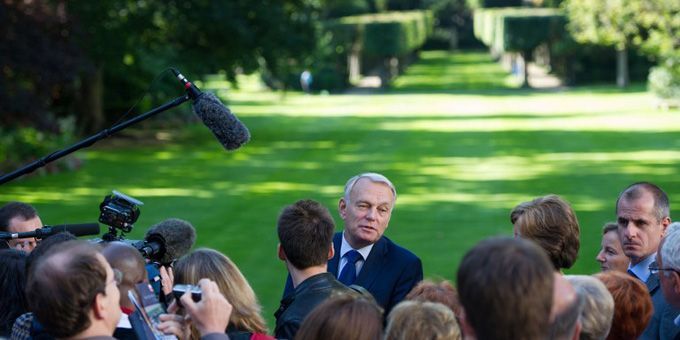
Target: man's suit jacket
<point>389,272</point>
<point>661,326</point>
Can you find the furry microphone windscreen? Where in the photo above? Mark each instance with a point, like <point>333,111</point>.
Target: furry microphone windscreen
<point>179,236</point>
<point>224,125</point>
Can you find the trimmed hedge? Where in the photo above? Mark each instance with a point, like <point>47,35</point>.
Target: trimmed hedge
<point>384,34</point>
<point>518,29</point>
<point>494,3</point>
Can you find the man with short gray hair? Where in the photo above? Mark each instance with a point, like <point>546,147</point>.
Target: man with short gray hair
<point>598,309</point>
<point>668,262</point>
<point>363,256</point>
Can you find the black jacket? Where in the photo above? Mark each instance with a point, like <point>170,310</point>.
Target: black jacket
<point>309,294</point>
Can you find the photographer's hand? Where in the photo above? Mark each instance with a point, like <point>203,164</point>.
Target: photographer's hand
<point>212,313</point>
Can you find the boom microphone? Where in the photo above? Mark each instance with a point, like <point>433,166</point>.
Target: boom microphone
<point>226,127</point>
<point>82,229</point>
<point>167,241</point>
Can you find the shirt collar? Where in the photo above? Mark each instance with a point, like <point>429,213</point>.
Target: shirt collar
<point>641,270</point>
<point>345,247</point>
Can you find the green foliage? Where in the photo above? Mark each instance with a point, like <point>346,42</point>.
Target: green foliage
<point>453,25</point>
<point>605,22</point>
<point>579,64</point>
<point>518,29</point>
<point>386,34</point>
<point>340,8</point>
<point>664,80</point>
<point>475,4</point>
<point>19,146</point>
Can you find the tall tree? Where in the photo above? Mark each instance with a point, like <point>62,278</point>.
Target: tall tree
<point>609,23</point>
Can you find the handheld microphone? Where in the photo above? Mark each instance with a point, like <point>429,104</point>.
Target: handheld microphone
<point>226,127</point>
<point>82,229</point>
<point>167,241</point>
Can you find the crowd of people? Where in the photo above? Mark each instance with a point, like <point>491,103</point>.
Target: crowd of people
<point>357,283</point>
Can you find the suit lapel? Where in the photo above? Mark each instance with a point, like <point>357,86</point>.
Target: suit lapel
<point>652,283</point>
<point>335,261</point>
<point>373,264</point>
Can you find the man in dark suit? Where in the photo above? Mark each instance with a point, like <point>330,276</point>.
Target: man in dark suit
<point>643,214</point>
<point>668,269</point>
<point>382,267</point>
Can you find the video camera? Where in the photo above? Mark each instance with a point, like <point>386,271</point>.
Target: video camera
<point>118,211</point>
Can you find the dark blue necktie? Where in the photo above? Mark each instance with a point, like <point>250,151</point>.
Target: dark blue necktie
<point>349,272</point>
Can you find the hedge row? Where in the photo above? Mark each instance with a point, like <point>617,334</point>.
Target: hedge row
<point>518,29</point>
<point>383,34</point>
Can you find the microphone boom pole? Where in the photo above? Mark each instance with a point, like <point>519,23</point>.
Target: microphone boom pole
<point>91,140</point>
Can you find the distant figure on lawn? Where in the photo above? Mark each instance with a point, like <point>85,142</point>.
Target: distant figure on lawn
<point>306,81</point>
<point>363,256</point>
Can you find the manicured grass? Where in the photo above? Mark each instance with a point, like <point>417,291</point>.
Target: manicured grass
<point>462,148</point>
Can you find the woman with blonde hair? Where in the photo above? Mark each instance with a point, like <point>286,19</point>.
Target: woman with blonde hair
<point>246,319</point>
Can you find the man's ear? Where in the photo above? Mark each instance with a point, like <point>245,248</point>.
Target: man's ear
<point>342,208</point>
<point>331,251</point>
<point>675,277</point>
<point>99,306</point>
<point>665,222</point>
<point>282,254</point>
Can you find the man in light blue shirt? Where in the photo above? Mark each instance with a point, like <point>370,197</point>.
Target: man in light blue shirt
<point>643,214</point>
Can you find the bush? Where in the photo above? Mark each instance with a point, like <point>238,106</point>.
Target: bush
<point>664,80</point>
<point>494,3</point>
<point>518,29</point>
<point>386,34</point>
<point>20,146</point>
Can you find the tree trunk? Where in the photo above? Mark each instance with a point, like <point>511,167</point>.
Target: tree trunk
<point>90,102</point>
<point>526,57</point>
<point>622,78</point>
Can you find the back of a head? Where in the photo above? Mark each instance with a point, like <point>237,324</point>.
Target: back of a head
<point>566,310</point>
<point>211,264</point>
<point>45,245</point>
<point>551,223</point>
<point>442,292</point>
<point>421,320</point>
<point>506,288</point>
<point>305,231</point>
<point>127,259</point>
<point>62,287</point>
<point>598,308</point>
<point>633,306</point>
<point>12,285</point>
<point>341,317</point>
<point>14,209</point>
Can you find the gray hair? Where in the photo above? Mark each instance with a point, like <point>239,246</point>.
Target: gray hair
<point>373,177</point>
<point>670,251</point>
<point>598,310</point>
<point>565,322</point>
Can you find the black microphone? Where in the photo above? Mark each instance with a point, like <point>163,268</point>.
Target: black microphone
<point>82,229</point>
<point>167,241</point>
<point>226,127</point>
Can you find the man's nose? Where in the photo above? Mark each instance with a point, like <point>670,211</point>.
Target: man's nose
<point>370,215</point>
<point>630,231</point>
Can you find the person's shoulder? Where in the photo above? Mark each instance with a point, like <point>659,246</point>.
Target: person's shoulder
<point>398,251</point>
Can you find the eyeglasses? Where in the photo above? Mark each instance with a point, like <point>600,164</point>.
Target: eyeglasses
<point>654,269</point>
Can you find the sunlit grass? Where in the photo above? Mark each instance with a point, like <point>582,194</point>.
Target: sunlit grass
<point>462,146</point>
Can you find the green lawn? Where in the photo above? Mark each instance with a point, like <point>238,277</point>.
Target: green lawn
<point>462,148</point>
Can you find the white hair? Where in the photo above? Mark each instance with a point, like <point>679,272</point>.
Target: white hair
<point>373,177</point>
<point>670,250</point>
<point>598,309</point>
